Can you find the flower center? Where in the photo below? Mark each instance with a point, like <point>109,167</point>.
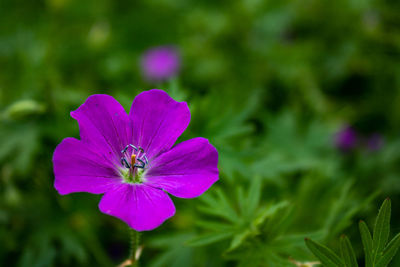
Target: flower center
<point>135,161</point>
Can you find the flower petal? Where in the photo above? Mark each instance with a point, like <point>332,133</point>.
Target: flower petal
<point>80,168</point>
<point>187,170</point>
<point>158,121</point>
<point>104,123</point>
<point>142,207</point>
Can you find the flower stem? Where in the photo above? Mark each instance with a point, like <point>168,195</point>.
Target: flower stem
<point>134,252</point>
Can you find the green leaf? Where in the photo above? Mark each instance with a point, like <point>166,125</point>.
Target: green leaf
<point>347,252</point>
<point>238,239</point>
<point>208,239</point>
<point>269,211</point>
<point>381,230</point>
<point>367,243</point>
<point>389,252</point>
<point>254,194</point>
<point>324,254</point>
<point>172,250</point>
<point>219,205</point>
<point>214,226</point>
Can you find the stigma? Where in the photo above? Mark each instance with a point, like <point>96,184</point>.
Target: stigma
<point>133,159</point>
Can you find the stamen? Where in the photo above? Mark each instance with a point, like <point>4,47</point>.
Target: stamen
<point>125,163</point>
<point>138,159</point>
<point>140,166</point>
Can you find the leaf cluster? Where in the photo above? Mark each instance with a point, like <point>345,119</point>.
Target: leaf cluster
<point>378,251</point>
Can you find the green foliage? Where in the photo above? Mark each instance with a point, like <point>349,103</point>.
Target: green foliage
<point>324,254</point>
<point>381,231</point>
<point>237,221</point>
<point>378,252</point>
<point>294,148</point>
<point>347,252</point>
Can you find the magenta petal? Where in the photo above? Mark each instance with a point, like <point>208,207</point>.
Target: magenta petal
<point>104,123</point>
<point>79,168</point>
<point>158,121</point>
<point>142,207</point>
<point>187,170</point>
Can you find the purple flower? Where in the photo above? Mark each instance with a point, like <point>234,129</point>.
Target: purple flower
<point>375,142</point>
<point>346,138</point>
<point>132,160</point>
<point>160,63</point>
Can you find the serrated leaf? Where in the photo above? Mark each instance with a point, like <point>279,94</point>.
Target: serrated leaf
<point>238,239</point>
<point>389,252</point>
<point>269,211</point>
<point>367,243</point>
<point>208,239</point>
<point>324,254</point>
<point>381,230</point>
<point>240,224</point>
<point>172,252</point>
<point>220,206</point>
<point>254,194</point>
<point>214,226</point>
<point>347,252</point>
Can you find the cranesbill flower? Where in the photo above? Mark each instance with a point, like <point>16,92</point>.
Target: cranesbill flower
<point>346,138</point>
<point>375,142</point>
<point>160,63</point>
<point>132,159</point>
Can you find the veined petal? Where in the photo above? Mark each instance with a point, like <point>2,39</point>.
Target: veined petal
<point>80,168</point>
<point>187,170</point>
<point>104,123</point>
<point>142,207</point>
<point>158,121</point>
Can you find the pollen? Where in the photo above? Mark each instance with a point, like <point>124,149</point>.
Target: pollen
<point>133,159</point>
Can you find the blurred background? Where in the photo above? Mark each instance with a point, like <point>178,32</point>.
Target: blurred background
<point>301,99</point>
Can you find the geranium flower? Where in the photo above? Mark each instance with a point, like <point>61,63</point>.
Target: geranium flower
<point>132,160</point>
<point>375,142</point>
<point>346,138</point>
<point>160,63</point>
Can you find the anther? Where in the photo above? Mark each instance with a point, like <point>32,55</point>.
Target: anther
<point>125,163</point>
<point>130,145</point>
<point>140,166</point>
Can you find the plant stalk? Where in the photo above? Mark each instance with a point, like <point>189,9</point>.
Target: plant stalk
<point>135,247</point>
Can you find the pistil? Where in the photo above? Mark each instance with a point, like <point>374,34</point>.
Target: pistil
<point>135,166</point>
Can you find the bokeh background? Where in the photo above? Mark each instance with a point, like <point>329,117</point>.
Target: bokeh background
<point>301,99</point>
